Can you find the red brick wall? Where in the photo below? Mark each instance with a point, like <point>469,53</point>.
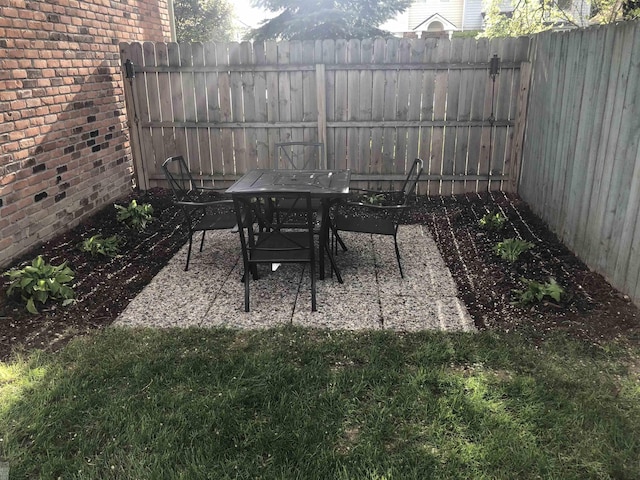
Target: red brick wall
<point>64,148</point>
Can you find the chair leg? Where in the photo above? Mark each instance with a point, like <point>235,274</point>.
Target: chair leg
<point>314,308</point>
<point>334,266</point>
<point>189,251</point>
<point>339,240</point>
<point>246,288</point>
<point>202,241</point>
<point>395,241</point>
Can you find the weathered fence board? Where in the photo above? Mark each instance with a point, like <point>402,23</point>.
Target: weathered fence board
<point>375,103</point>
<point>581,156</point>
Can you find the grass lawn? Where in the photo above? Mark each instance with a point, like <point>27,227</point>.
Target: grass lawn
<point>294,403</point>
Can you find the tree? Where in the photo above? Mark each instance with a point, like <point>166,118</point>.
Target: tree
<point>319,19</point>
<point>631,9</point>
<point>528,17</point>
<point>203,20</point>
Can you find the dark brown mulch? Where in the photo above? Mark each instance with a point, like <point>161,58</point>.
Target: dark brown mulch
<point>103,286</point>
<point>591,309</point>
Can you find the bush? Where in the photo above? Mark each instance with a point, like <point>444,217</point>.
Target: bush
<point>40,282</point>
<point>135,216</point>
<point>536,292</point>
<point>511,248</point>
<point>98,245</point>
<point>492,221</point>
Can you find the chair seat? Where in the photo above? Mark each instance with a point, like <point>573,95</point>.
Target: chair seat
<point>281,248</point>
<point>379,219</point>
<point>283,236</point>
<point>216,222</point>
<point>375,225</point>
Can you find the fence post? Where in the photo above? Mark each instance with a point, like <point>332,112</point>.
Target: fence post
<point>515,162</point>
<point>321,98</point>
<point>133,121</point>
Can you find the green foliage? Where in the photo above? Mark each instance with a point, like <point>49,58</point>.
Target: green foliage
<point>466,34</point>
<point>511,248</point>
<point>374,198</point>
<point>631,9</point>
<point>203,20</point>
<point>135,216</point>
<point>320,19</point>
<point>535,292</point>
<point>527,18</point>
<point>492,221</point>
<point>98,245</point>
<point>40,282</point>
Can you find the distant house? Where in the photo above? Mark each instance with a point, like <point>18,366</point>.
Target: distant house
<point>433,17</point>
<point>438,16</point>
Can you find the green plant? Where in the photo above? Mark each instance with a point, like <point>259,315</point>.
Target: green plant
<point>135,216</point>
<point>98,245</point>
<point>492,221</point>
<point>511,248</point>
<point>40,282</point>
<point>536,291</point>
<point>374,198</point>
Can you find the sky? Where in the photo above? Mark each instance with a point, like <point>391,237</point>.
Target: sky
<point>247,15</point>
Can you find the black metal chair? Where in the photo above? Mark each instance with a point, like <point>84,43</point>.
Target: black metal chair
<point>379,212</point>
<point>303,156</point>
<point>285,236</point>
<point>201,207</point>
<point>299,156</point>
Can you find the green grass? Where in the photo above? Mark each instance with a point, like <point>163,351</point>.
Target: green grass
<point>307,404</point>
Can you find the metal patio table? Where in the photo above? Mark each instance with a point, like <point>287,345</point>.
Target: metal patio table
<point>328,186</point>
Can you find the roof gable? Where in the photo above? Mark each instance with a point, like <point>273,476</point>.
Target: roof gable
<point>437,17</point>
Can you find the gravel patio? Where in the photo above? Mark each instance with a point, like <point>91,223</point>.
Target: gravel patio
<point>373,295</point>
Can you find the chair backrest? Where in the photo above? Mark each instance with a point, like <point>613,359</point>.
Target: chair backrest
<point>281,229</point>
<point>410,183</point>
<point>299,156</point>
<point>180,180</point>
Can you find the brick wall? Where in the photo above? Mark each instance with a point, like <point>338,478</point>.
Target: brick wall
<point>64,148</point>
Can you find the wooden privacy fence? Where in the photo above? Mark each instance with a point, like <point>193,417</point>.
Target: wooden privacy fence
<point>581,164</point>
<point>376,104</point>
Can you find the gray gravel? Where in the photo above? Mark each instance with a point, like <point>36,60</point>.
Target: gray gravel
<point>374,296</point>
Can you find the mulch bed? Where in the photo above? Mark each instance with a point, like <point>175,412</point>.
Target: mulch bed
<point>590,309</point>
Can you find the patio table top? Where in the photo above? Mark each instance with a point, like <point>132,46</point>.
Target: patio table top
<point>321,183</point>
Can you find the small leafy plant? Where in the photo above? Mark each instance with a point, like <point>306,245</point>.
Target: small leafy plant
<point>492,221</point>
<point>511,248</point>
<point>99,245</point>
<point>135,216</point>
<point>41,282</point>
<point>535,292</point>
<point>374,198</point>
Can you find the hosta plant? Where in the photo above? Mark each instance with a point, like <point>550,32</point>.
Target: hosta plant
<point>41,282</point>
<point>535,292</point>
<point>99,245</point>
<point>374,198</point>
<point>492,221</point>
<point>511,248</point>
<point>135,216</point>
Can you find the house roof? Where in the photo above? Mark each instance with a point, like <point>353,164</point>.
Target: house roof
<point>437,17</point>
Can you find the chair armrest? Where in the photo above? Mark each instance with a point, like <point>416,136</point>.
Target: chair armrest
<point>384,192</point>
<point>375,207</point>
<point>203,204</point>
<point>211,189</point>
